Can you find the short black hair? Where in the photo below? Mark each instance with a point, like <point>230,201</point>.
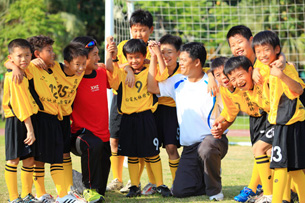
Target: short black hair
<point>141,17</point>
<point>39,42</point>
<point>217,62</point>
<point>196,50</point>
<point>176,41</point>
<point>22,43</point>
<point>88,42</point>
<point>134,46</point>
<point>73,50</point>
<point>237,62</point>
<point>239,29</point>
<point>266,37</point>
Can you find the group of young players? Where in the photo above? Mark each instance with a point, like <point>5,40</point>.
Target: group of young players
<point>257,80</point>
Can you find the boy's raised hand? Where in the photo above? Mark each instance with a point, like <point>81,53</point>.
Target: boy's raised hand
<point>154,48</point>
<point>111,47</point>
<point>276,71</point>
<point>213,88</point>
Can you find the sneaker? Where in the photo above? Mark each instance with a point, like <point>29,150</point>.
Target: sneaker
<point>114,185</point>
<point>264,199</point>
<point>134,191</point>
<point>18,200</point>
<point>164,191</point>
<point>244,195</point>
<point>77,195</point>
<point>46,198</point>
<point>217,197</point>
<point>149,189</point>
<point>30,199</point>
<point>259,189</point>
<point>254,198</point>
<point>125,189</point>
<point>91,195</point>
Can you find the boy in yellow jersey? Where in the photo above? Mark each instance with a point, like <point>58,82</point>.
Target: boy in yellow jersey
<point>19,110</point>
<point>43,87</point>
<point>287,113</point>
<point>141,27</point>
<point>278,94</point>
<point>138,133</point>
<point>240,41</point>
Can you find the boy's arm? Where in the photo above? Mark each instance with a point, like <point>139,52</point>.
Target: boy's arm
<point>130,78</point>
<point>152,84</point>
<point>111,52</point>
<point>280,62</point>
<point>213,88</point>
<point>219,128</point>
<point>30,138</point>
<point>17,72</point>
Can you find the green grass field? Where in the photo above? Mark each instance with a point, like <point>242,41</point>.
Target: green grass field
<point>236,172</point>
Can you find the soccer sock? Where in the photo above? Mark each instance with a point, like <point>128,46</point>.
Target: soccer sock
<point>173,165</point>
<point>263,167</point>
<point>57,173</point>
<point>150,174</point>
<point>287,191</point>
<point>299,178</point>
<point>141,167</point>
<point>156,167</point>
<point>67,165</point>
<point>133,168</point>
<point>279,182</point>
<point>38,177</point>
<point>117,166</point>
<point>26,180</point>
<point>254,181</point>
<point>11,180</point>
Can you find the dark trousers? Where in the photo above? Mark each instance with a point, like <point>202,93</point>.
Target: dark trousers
<point>199,168</point>
<point>95,159</point>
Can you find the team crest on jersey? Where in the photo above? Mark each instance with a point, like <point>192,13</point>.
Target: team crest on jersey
<point>95,88</point>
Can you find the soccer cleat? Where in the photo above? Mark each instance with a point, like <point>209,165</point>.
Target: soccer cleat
<point>149,189</point>
<point>264,199</point>
<point>67,199</point>
<point>244,195</point>
<point>294,197</point>
<point>134,191</point>
<point>77,195</point>
<point>92,196</point>
<point>115,184</point>
<point>217,197</point>
<point>259,189</point>
<point>125,189</point>
<point>18,200</point>
<point>254,198</point>
<point>46,198</point>
<point>164,191</point>
<point>30,199</point>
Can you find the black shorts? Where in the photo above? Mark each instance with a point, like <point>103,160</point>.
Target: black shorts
<point>261,129</point>
<point>15,134</point>
<point>49,139</point>
<point>138,135</point>
<point>66,133</point>
<point>115,119</point>
<point>288,150</point>
<point>167,125</point>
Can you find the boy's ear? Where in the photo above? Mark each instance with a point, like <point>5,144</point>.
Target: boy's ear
<point>36,53</point>
<point>277,49</point>
<point>67,64</point>
<point>9,57</point>
<point>151,29</point>
<point>251,39</point>
<point>250,70</point>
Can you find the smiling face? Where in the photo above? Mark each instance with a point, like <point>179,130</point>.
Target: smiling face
<point>93,59</point>
<point>241,79</point>
<point>47,55</point>
<point>77,66</point>
<point>186,63</point>
<point>135,60</point>
<point>221,78</point>
<point>170,55</point>
<point>139,31</point>
<point>240,46</point>
<point>266,53</point>
<point>21,57</point>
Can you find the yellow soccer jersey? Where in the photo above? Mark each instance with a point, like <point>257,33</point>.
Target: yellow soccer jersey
<point>136,99</point>
<point>46,92</point>
<point>67,86</point>
<point>17,99</point>
<point>236,101</point>
<point>285,106</point>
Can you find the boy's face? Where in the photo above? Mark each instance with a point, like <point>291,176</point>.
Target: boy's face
<point>47,55</point>
<point>77,66</point>
<point>143,32</point>
<point>93,59</point>
<point>240,46</point>
<point>241,79</point>
<point>266,53</point>
<point>186,63</point>
<point>21,57</point>
<point>136,60</point>
<point>169,54</point>
<point>221,78</point>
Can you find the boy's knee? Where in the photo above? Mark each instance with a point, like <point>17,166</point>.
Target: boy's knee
<point>13,161</point>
